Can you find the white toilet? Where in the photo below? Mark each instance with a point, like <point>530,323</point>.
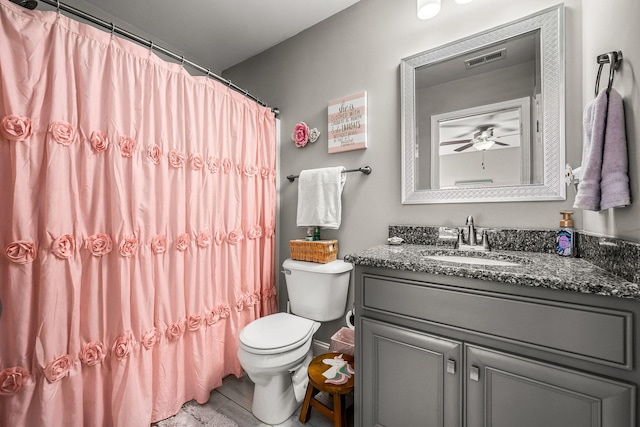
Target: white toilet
<point>275,350</point>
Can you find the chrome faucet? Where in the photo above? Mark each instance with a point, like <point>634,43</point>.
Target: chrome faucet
<point>471,231</point>
<point>472,238</point>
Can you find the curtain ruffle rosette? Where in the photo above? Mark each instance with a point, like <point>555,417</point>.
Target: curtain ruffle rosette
<point>136,223</point>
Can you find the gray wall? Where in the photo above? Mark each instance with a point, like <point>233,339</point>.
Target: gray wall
<point>361,48</point>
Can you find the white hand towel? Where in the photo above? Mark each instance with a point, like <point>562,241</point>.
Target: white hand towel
<point>320,197</point>
<point>615,163</point>
<point>595,121</point>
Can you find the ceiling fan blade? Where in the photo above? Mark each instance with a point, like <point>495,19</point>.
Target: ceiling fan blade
<point>503,136</point>
<point>464,147</point>
<point>461,141</point>
<point>501,143</point>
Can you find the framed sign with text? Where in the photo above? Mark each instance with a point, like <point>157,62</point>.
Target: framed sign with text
<point>348,123</point>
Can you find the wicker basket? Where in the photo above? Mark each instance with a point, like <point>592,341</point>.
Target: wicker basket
<point>322,251</point>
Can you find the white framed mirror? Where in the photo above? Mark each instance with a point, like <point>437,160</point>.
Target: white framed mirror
<point>483,117</point>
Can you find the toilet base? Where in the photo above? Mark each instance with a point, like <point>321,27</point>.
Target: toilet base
<point>276,397</point>
<point>275,402</point>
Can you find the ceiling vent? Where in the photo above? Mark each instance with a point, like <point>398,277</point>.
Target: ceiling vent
<point>485,59</point>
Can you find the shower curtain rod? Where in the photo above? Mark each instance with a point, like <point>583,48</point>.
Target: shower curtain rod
<point>148,43</point>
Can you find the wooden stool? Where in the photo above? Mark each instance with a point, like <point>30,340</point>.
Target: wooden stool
<point>317,384</point>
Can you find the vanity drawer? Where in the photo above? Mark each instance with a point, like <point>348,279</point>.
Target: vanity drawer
<point>591,333</point>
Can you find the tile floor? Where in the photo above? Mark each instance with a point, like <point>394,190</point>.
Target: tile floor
<point>230,406</point>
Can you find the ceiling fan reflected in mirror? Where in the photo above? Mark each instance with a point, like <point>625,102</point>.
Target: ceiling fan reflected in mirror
<point>482,139</point>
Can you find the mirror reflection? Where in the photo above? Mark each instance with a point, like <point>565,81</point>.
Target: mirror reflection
<point>478,131</point>
<point>482,117</point>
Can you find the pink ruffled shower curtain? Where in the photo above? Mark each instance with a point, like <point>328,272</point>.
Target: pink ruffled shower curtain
<point>137,213</point>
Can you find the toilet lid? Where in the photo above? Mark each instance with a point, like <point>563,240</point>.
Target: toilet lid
<point>276,332</point>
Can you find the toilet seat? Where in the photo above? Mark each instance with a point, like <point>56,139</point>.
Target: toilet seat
<point>276,333</point>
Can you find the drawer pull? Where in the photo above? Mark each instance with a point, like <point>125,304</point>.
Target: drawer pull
<point>451,366</point>
<point>474,373</point>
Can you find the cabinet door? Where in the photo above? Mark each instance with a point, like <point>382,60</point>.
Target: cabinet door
<point>504,390</point>
<point>408,378</point>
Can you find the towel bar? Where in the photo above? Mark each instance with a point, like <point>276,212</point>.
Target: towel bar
<point>365,170</point>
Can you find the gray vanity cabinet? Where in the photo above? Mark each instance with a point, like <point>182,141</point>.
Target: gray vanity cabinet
<point>412,375</point>
<point>440,351</point>
<point>503,390</point>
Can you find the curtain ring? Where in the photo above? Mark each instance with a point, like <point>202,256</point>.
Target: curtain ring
<point>58,7</point>
<point>182,61</point>
<point>150,45</point>
<point>113,28</point>
<point>208,72</point>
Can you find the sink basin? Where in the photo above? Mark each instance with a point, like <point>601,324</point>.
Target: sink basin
<point>474,257</point>
<point>471,260</point>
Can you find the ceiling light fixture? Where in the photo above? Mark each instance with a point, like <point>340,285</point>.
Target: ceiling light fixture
<point>483,144</point>
<point>427,9</point>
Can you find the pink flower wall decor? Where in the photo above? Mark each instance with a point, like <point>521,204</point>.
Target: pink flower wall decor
<point>12,380</point>
<point>301,134</point>
<point>16,128</point>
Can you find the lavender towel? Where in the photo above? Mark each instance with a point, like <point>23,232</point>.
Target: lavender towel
<point>614,186</point>
<point>595,122</point>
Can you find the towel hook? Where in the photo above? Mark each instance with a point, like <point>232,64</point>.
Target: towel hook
<point>614,59</point>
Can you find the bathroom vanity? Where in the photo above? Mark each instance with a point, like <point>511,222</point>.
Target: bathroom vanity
<point>535,340</point>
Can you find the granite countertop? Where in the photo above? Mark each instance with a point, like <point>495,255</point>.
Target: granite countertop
<point>534,269</point>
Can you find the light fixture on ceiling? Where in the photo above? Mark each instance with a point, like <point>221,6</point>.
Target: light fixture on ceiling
<point>427,9</point>
<point>483,144</point>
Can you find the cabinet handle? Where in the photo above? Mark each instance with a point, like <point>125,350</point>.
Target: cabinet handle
<point>474,373</point>
<point>451,366</point>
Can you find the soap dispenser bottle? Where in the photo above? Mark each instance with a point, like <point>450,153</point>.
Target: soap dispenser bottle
<point>565,237</point>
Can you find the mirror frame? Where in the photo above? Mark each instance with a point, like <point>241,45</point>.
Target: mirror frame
<point>550,22</point>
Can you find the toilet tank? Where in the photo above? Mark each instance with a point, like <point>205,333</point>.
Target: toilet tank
<point>317,291</point>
